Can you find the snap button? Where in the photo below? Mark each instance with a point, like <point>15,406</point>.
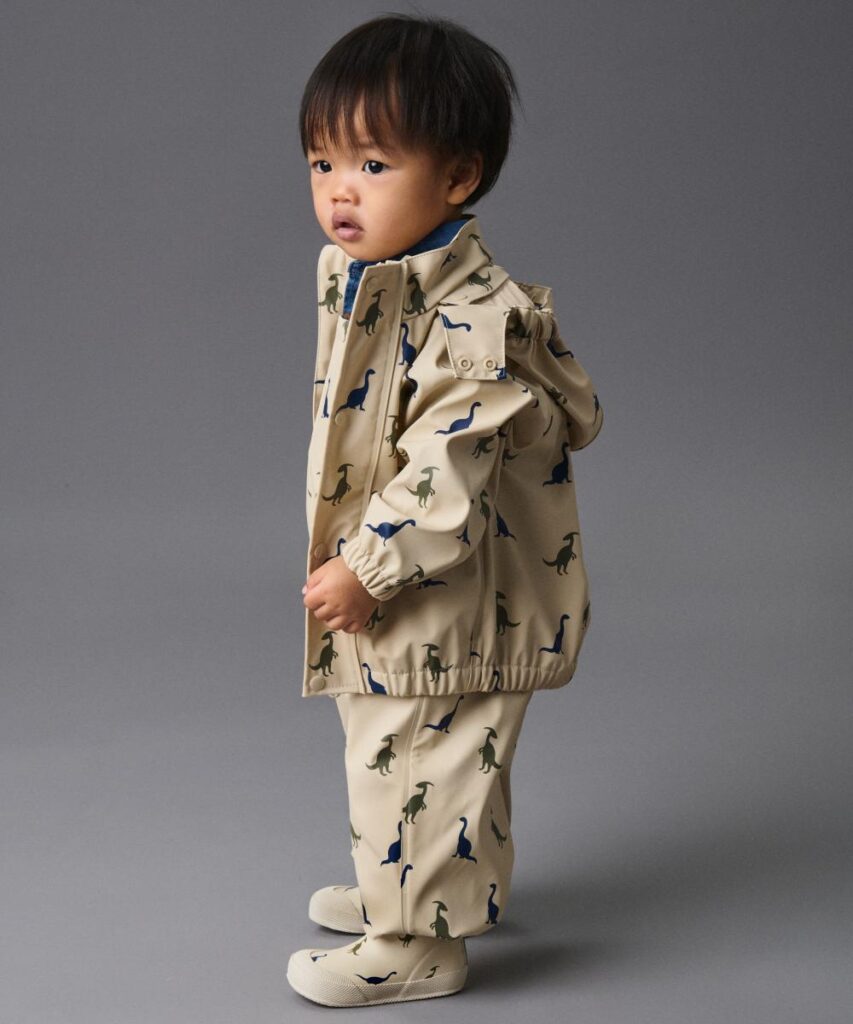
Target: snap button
<point>489,363</point>
<point>319,550</point>
<point>339,418</point>
<point>316,683</point>
<point>465,363</point>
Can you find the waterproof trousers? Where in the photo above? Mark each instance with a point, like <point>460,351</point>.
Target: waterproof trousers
<point>428,780</point>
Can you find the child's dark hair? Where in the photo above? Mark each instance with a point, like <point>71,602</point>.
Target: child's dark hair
<point>427,80</point>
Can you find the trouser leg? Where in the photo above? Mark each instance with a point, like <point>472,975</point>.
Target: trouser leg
<point>429,797</point>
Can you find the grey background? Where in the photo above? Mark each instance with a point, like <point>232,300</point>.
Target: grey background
<point>169,801</point>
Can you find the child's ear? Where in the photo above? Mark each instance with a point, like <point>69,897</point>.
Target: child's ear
<point>465,177</point>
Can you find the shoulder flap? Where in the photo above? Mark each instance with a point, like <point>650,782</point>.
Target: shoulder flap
<point>475,337</point>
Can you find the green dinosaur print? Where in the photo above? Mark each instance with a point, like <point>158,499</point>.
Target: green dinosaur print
<point>502,618</point>
<point>393,435</point>
<point>375,618</point>
<point>488,751</point>
<point>478,242</point>
<point>357,946</point>
<point>484,445</point>
<point>405,939</point>
<point>495,830</point>
<point>432,971</point>
<point>565,554</point>
<point>424,490</point>
<point>483,282</point>
<point>342,487</point>
<point>333,294</point>
<point>326,654</point>
<point>354,836</point>
<point>385,756</point>
<point>417,297</point>
<point>485,511</point>
<point>439,925</point>
<point>417,802</point>
<point>372,313</point>
<point>433,663</point>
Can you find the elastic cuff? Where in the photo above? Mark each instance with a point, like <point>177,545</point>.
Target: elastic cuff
<point>374,581</point>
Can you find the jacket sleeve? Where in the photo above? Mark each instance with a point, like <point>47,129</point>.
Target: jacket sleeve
<point>429,517</point>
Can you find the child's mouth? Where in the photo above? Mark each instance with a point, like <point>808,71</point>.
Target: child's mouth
<point>347,231</point>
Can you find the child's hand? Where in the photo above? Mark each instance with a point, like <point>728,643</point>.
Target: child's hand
<point>337,597</point>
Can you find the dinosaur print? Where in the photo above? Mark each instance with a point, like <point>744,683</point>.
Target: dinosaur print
<point>417,299</point>
<point>560,472</point>
<point>387,530</point>
<point>372,313</point>
<point>333,294</point>
<point>495,830</point>
<point>565,554</point>
<point>439,925</point>
<point>557,646</point>
<point>450,325</point>
<point>491,906</point>
<point>357,946</point>
<point>356,397</point>
<point>424,490</point>
<point>407,349</point>
<point>488,752</point>
<point>385,756</point>
<point>375,979</point>
<point>354,836</point>
<point>417,802</point>
<point>502,616</point>
<point>445,720</point>
<point>433,663</point>
<point>501,529</point>
<point>343,486</point>
<point>374,684</point>
<point>328,652</point>
<point>395,850</point>
<point>463,844</point>
<point>478,279</point>
<point>406,869</point>
<point>461,424</point>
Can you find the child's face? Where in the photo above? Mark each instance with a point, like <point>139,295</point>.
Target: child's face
<point>392,198</point>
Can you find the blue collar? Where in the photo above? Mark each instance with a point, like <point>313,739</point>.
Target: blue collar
<point>436,238</point>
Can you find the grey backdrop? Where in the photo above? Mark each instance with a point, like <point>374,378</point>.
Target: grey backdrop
<point>169,800</point>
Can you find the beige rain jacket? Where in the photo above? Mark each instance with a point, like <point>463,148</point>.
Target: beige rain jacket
<point>445,409</point>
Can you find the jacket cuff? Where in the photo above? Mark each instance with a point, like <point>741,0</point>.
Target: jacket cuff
<point>371,577</point>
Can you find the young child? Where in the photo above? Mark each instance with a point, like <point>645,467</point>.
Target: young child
<point>445,574</point>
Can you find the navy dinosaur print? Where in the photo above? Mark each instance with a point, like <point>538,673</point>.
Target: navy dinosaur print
<point>463,844</point>
<point>451,326</point>
<point>395,850</point>
<point>462,423</point>
<point>560,472</point>
<point>557,646</point>
<point>444,722</point>
<point>405,871</point>
<point>375,685</point>
<point>375,979</point>
<point>356,397</point>
<point>492,907</point>
<point>387,530</point>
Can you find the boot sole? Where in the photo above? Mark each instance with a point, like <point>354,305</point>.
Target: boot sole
<point>329,992</point>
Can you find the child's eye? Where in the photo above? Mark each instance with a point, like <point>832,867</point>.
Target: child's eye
<point>376,163</point>
<point>321,162</point>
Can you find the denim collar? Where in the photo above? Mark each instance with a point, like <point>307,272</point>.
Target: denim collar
<point>436,238</point>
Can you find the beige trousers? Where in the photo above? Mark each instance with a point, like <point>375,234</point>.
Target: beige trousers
<point>428,779</point>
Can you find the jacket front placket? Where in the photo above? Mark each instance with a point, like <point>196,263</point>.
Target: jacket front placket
<point>345,446</point>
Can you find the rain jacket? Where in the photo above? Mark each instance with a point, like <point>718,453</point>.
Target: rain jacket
<point>445,409</point>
